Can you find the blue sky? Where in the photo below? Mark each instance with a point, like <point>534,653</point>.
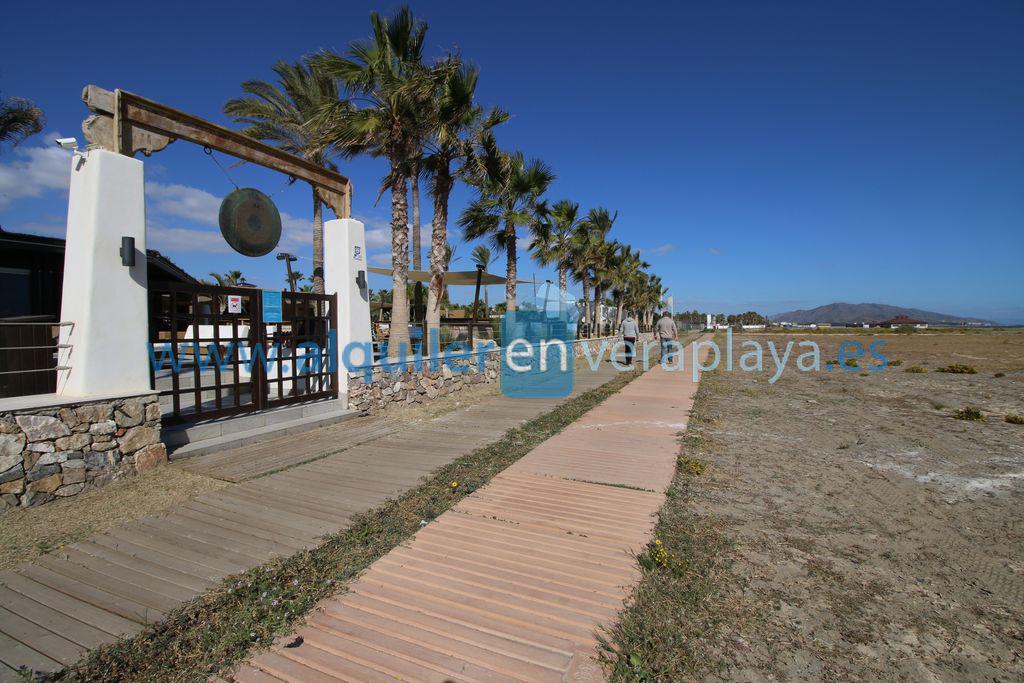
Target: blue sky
<point>763,156</point>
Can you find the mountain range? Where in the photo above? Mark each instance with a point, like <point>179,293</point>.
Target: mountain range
<point>855,314</point>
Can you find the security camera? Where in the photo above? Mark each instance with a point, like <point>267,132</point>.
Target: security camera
<point>67,143</point>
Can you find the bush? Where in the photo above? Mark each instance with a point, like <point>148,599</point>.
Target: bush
<point>969,413</point>
<point>958,369</point>
<point>896,363</point>
<point>916,369</point>
<point>1015,419</point>
<point>1000,374</point>
<point>852,363</point>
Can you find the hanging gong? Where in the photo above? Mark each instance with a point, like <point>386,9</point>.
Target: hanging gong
<point>250,222</point>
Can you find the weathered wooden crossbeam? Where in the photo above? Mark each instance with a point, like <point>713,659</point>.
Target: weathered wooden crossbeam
<point>126,123</point>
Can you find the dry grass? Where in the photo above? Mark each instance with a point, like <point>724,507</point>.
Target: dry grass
<point>442,405</point>
<point>677,621</point>
<point>28,533</point>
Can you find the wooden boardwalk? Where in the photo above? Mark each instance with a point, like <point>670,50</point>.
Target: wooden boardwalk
<point>56,608</point>
<point>512,583</point>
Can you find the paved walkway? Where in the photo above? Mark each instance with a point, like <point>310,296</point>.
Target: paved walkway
<point>56,608</point>
<point>512,583</point>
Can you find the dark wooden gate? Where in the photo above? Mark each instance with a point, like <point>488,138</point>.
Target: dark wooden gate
<point>214,355</point>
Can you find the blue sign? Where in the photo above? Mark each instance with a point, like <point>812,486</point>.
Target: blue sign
<point>272,307</point>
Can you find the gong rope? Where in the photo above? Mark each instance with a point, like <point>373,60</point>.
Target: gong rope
<point>209,153</point>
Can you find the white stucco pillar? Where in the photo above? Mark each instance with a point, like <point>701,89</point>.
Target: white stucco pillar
<point>105,300</point>
<point>344,261</point>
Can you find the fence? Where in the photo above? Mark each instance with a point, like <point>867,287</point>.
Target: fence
<point>28,356</point>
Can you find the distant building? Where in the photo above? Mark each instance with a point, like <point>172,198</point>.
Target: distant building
<point>901,321</point>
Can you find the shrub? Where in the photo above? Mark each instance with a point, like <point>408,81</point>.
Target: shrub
<point>852,363</point>
<point>958,369</point>
<point>1000,374</point>
<point>1015,419</point>
<point>969,413</point>
<point>896,363</point>
<point>916,369</point>
<point>694,466</point>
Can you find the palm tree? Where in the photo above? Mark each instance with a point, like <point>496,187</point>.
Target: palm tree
<point>297,276</point>
<point>624,267</point>
<point>385,75</point>
<point>553,239</point>
<point>458,124</point>
<point>605,253</point>
<point>588,247</point>
<point>509,190</point>
<point>19,119</point>
<point>481,258</point>
<point>285,115</point>
<point>228,279</point>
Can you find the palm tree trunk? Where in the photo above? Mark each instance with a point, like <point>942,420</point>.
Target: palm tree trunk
<point>399,331</point>
<point>318,244</point>
<point>586,304</point>
<point>510,269</point>
<point>438,238</point>
<point>598,318</point>
<point>618,313</point>
<point>417,248</point>
<point>563,279</point>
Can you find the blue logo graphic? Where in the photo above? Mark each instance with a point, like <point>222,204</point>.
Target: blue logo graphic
<point>537,357</point>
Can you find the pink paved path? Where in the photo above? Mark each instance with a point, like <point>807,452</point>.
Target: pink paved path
<point>513,582</point>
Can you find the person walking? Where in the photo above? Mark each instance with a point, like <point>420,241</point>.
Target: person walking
<point>630,331</point>
<point>667,333</point>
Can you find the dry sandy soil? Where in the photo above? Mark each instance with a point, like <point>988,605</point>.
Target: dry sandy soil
<point>877,536</point>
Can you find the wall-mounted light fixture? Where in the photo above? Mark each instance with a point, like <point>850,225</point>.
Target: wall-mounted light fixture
<point>128,251</point>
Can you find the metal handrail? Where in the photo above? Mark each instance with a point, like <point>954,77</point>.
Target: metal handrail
<point>20,372</point>
<point>51,324</point>
<point>31,348</point>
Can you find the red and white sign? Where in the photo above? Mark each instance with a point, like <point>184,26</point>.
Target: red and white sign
<point>234,303</point>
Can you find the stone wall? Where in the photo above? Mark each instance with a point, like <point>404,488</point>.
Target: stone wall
<point>65,449</point>
<point>407,386</point>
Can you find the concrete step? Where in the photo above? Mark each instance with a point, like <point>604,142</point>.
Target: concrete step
<point>200,438</point>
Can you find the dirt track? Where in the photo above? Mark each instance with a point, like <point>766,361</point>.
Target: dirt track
<point>877,536</point>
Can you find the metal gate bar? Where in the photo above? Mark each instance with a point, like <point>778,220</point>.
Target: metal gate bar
<point>215,363</point>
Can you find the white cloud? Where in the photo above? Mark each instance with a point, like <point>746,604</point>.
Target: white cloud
<point>44,229</point>
<point>33,171</point>
<point>714,252</point>
<point>178,240</point>
<point>199,206</point>
<point>182,201</point>
<point>381,259</point>
<point>659,250</point>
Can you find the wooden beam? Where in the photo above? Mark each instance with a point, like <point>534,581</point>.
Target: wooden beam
<point>132,114</point>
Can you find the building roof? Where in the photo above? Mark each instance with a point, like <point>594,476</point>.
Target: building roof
<point>57,244</point>
<point>20,239</point>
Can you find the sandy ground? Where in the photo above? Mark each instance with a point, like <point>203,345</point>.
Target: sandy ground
<point>877,537</point>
